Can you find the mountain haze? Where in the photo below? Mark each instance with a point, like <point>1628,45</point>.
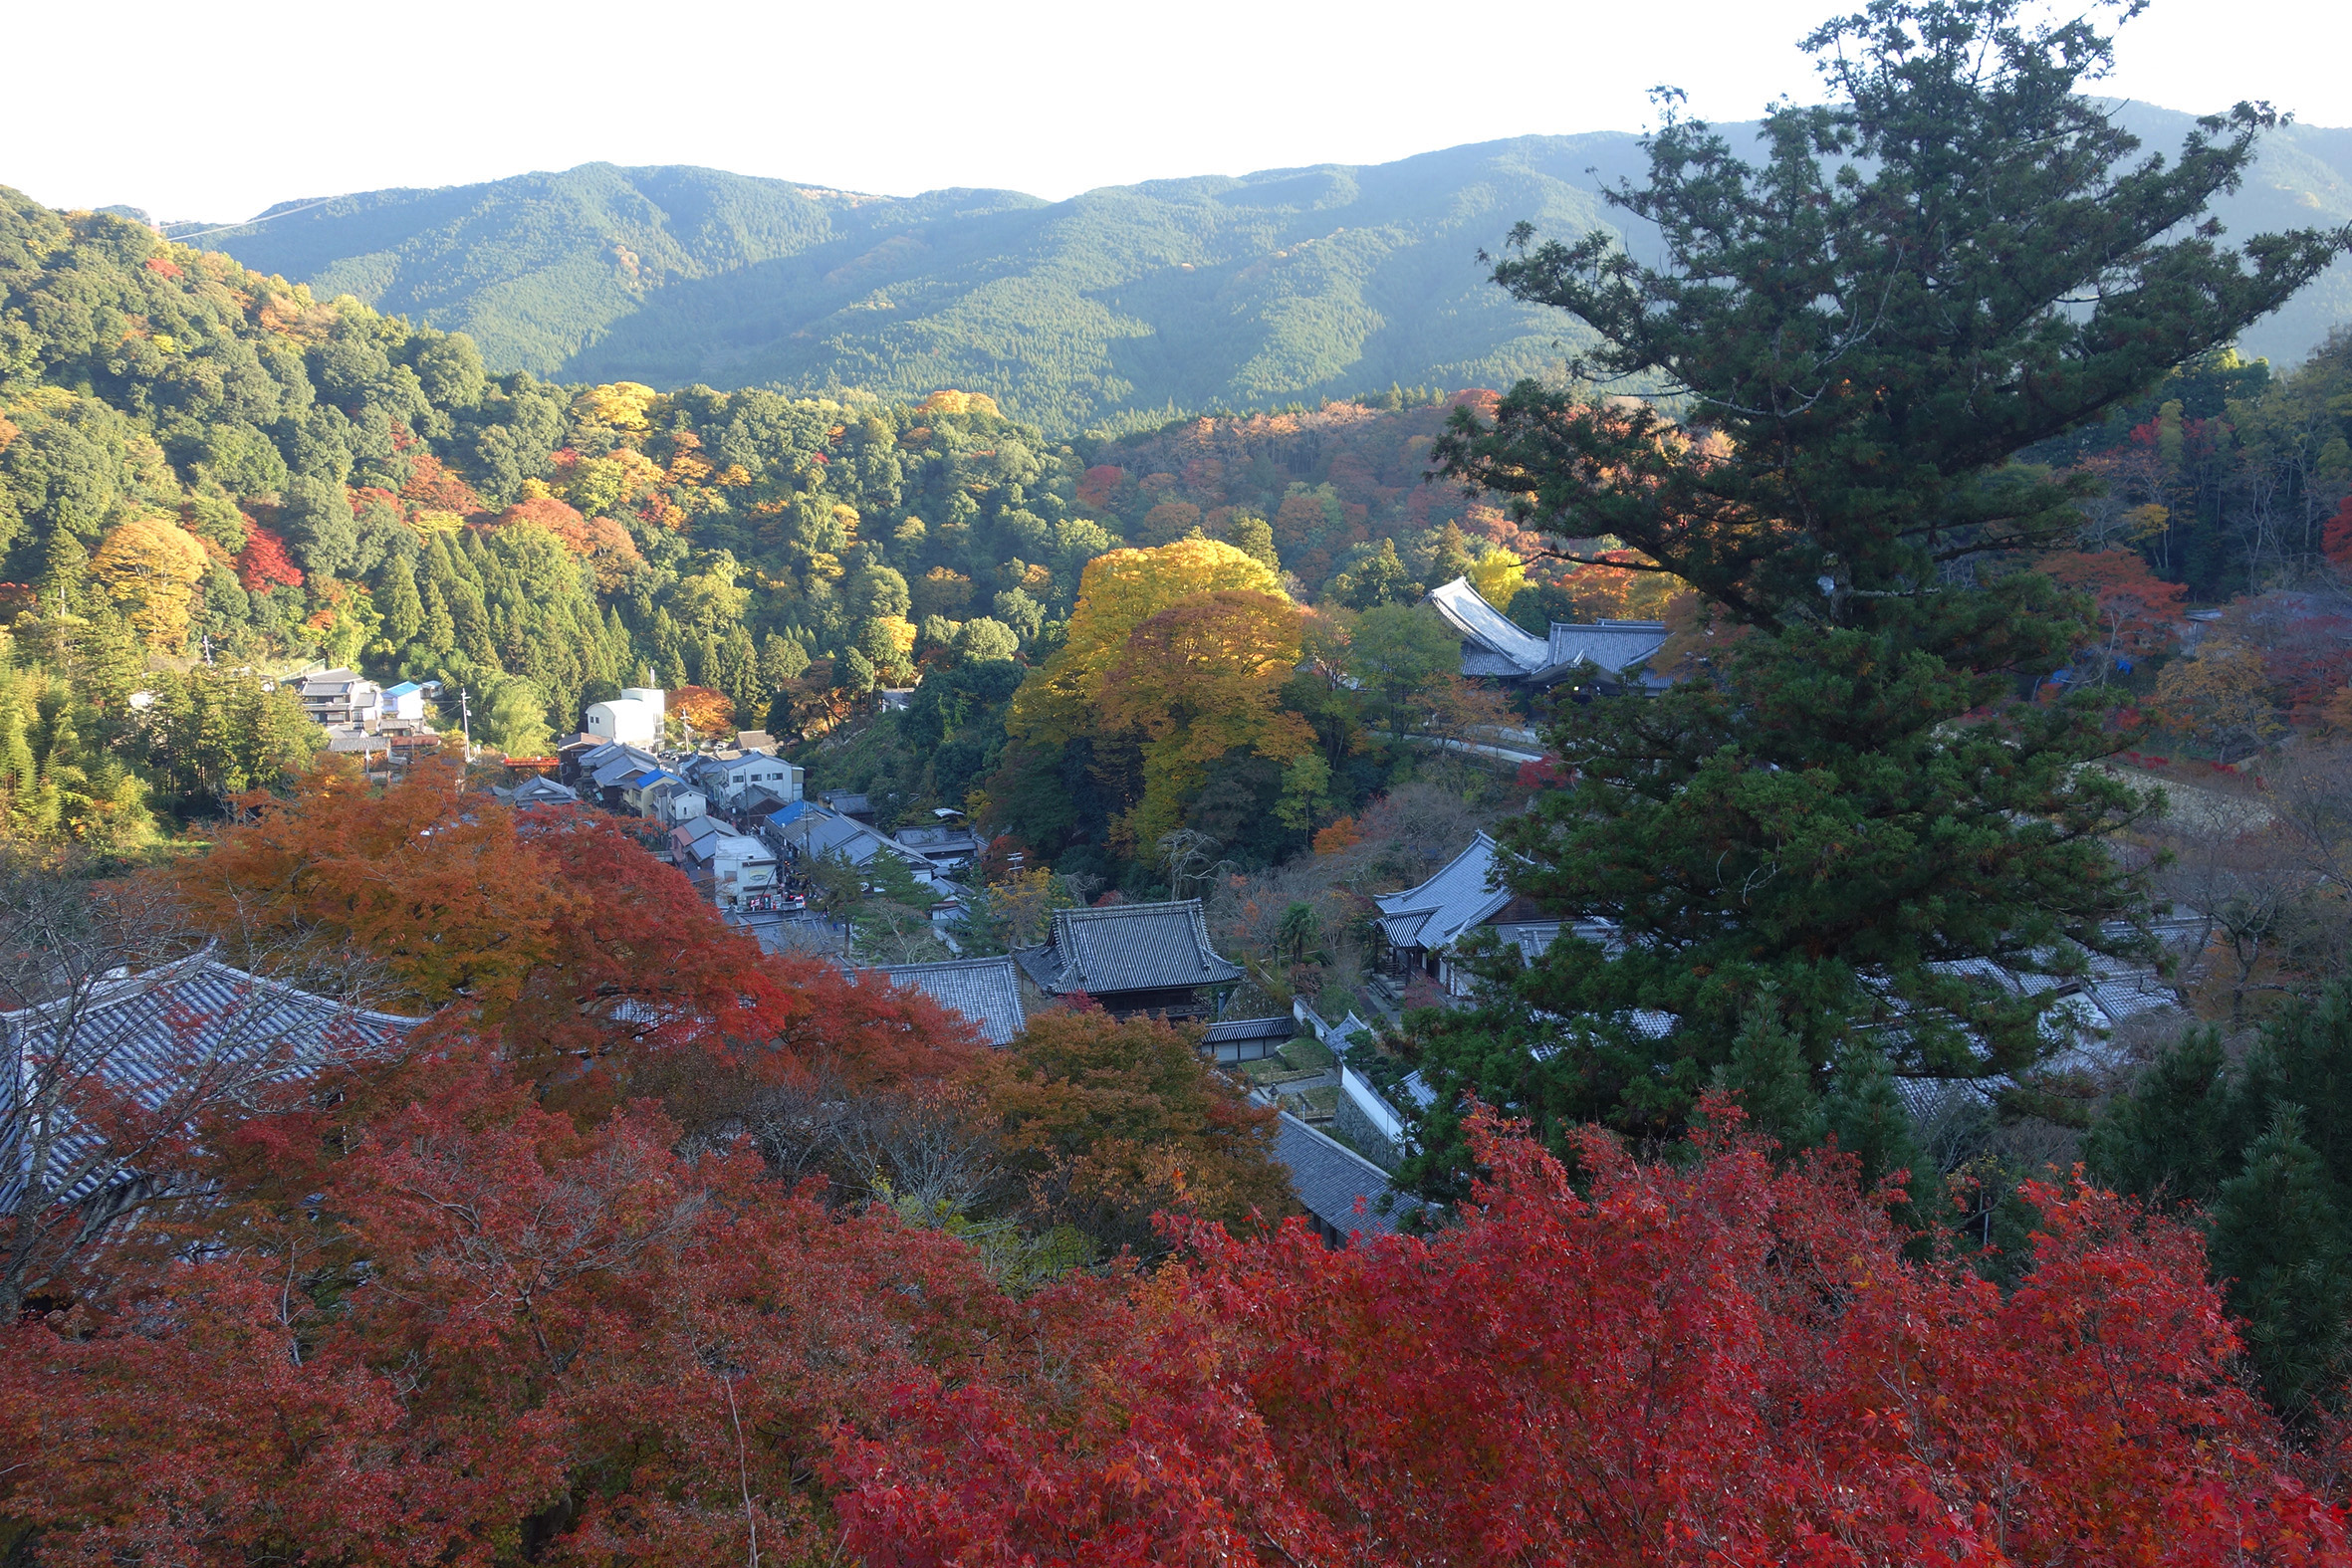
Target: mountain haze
<point>1102,310</point>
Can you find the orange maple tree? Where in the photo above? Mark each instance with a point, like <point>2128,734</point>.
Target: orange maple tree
<point>709,712</point>
<point>597,969</point>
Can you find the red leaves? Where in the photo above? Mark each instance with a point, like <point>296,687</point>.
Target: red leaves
<point>431,483</point>
<point>557,517</point>
<point>2336,538</point>
<point>468,1321</point>
<point>1544,773</point>
<point>263,563</point>
<point>1714,1364</point>
<point>1098,484</point>
<point>477,1305</point>
<point>481,1324</point>
<point>2138,612</point>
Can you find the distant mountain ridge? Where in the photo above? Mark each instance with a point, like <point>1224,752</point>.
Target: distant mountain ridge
<point>1119,302</point>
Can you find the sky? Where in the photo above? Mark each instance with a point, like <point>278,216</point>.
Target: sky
<point>191,113</point>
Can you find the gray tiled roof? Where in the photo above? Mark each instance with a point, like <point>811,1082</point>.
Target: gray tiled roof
<point>1278,1027</point>
<point>1485,629</point>
<point>985,989</point>
<point>161,1036</point>
<point>1436,913</point>
<point>1127,947</point>
<point>1330,1178</point>
<point>1492,644</point>
<point>1613,646</point>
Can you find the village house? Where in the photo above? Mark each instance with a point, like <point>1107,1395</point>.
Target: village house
<point>848,802</point>
<point>728,781</point>
<point>535,792</point>
<point>802,831</point>
<point>402,706</point>
<point>1133,959</point>
<point>735,871</point>
<point>601,772</point>
<point>673,800</point>
<point>948,849</point>
<point>339,699</point>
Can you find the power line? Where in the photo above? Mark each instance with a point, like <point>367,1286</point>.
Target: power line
<point>251,223</point>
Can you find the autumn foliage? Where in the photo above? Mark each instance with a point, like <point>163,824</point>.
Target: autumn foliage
<point>1712,1363</point>
<point>708,712</point>
<point>542,1288</point>
<point>596,967</point>
<point>481,1328</point>
<point>263,563</point>
<point>432,1320</point>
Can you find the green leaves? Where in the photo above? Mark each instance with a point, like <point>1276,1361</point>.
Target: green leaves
<point>1863,322</point>
<point>1867,321</point>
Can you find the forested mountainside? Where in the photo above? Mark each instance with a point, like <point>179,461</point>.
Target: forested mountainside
<point>194,457</point>
<point>1116,306</point>
<point>205,463</point>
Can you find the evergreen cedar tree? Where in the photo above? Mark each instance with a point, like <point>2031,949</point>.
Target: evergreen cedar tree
<point>431,1321</point>
<point>2261,1150</point>
<point>1862,327</point>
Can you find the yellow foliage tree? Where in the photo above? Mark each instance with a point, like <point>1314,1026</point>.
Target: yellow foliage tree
<point>624,405</point>
<point>598,484</point>
<point>2219,697</point>
<point>1497,575</point>
<point>150,566</point>
<point>1118,594</point>
<point>1196,682</point>
<point>954,403</point>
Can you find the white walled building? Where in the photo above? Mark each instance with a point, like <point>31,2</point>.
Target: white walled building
<point>635,718</point>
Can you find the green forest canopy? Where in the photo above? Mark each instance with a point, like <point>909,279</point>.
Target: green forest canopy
<point>1119,306</point>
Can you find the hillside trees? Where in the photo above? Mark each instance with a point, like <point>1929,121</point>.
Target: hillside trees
<point>1861,348</point>
<point>348,487</point>
<point>2259,1146</point>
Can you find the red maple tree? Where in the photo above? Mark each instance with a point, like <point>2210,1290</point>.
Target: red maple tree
<point>263,563</point>
<point>2138,612</point>
<point>1708,1362</point>
<point>465,1331</point>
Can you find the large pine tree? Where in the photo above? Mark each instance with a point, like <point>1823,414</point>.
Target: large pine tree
<point>1850,337</point>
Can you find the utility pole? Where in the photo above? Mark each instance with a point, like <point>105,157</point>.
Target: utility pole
<point>465,721</point>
